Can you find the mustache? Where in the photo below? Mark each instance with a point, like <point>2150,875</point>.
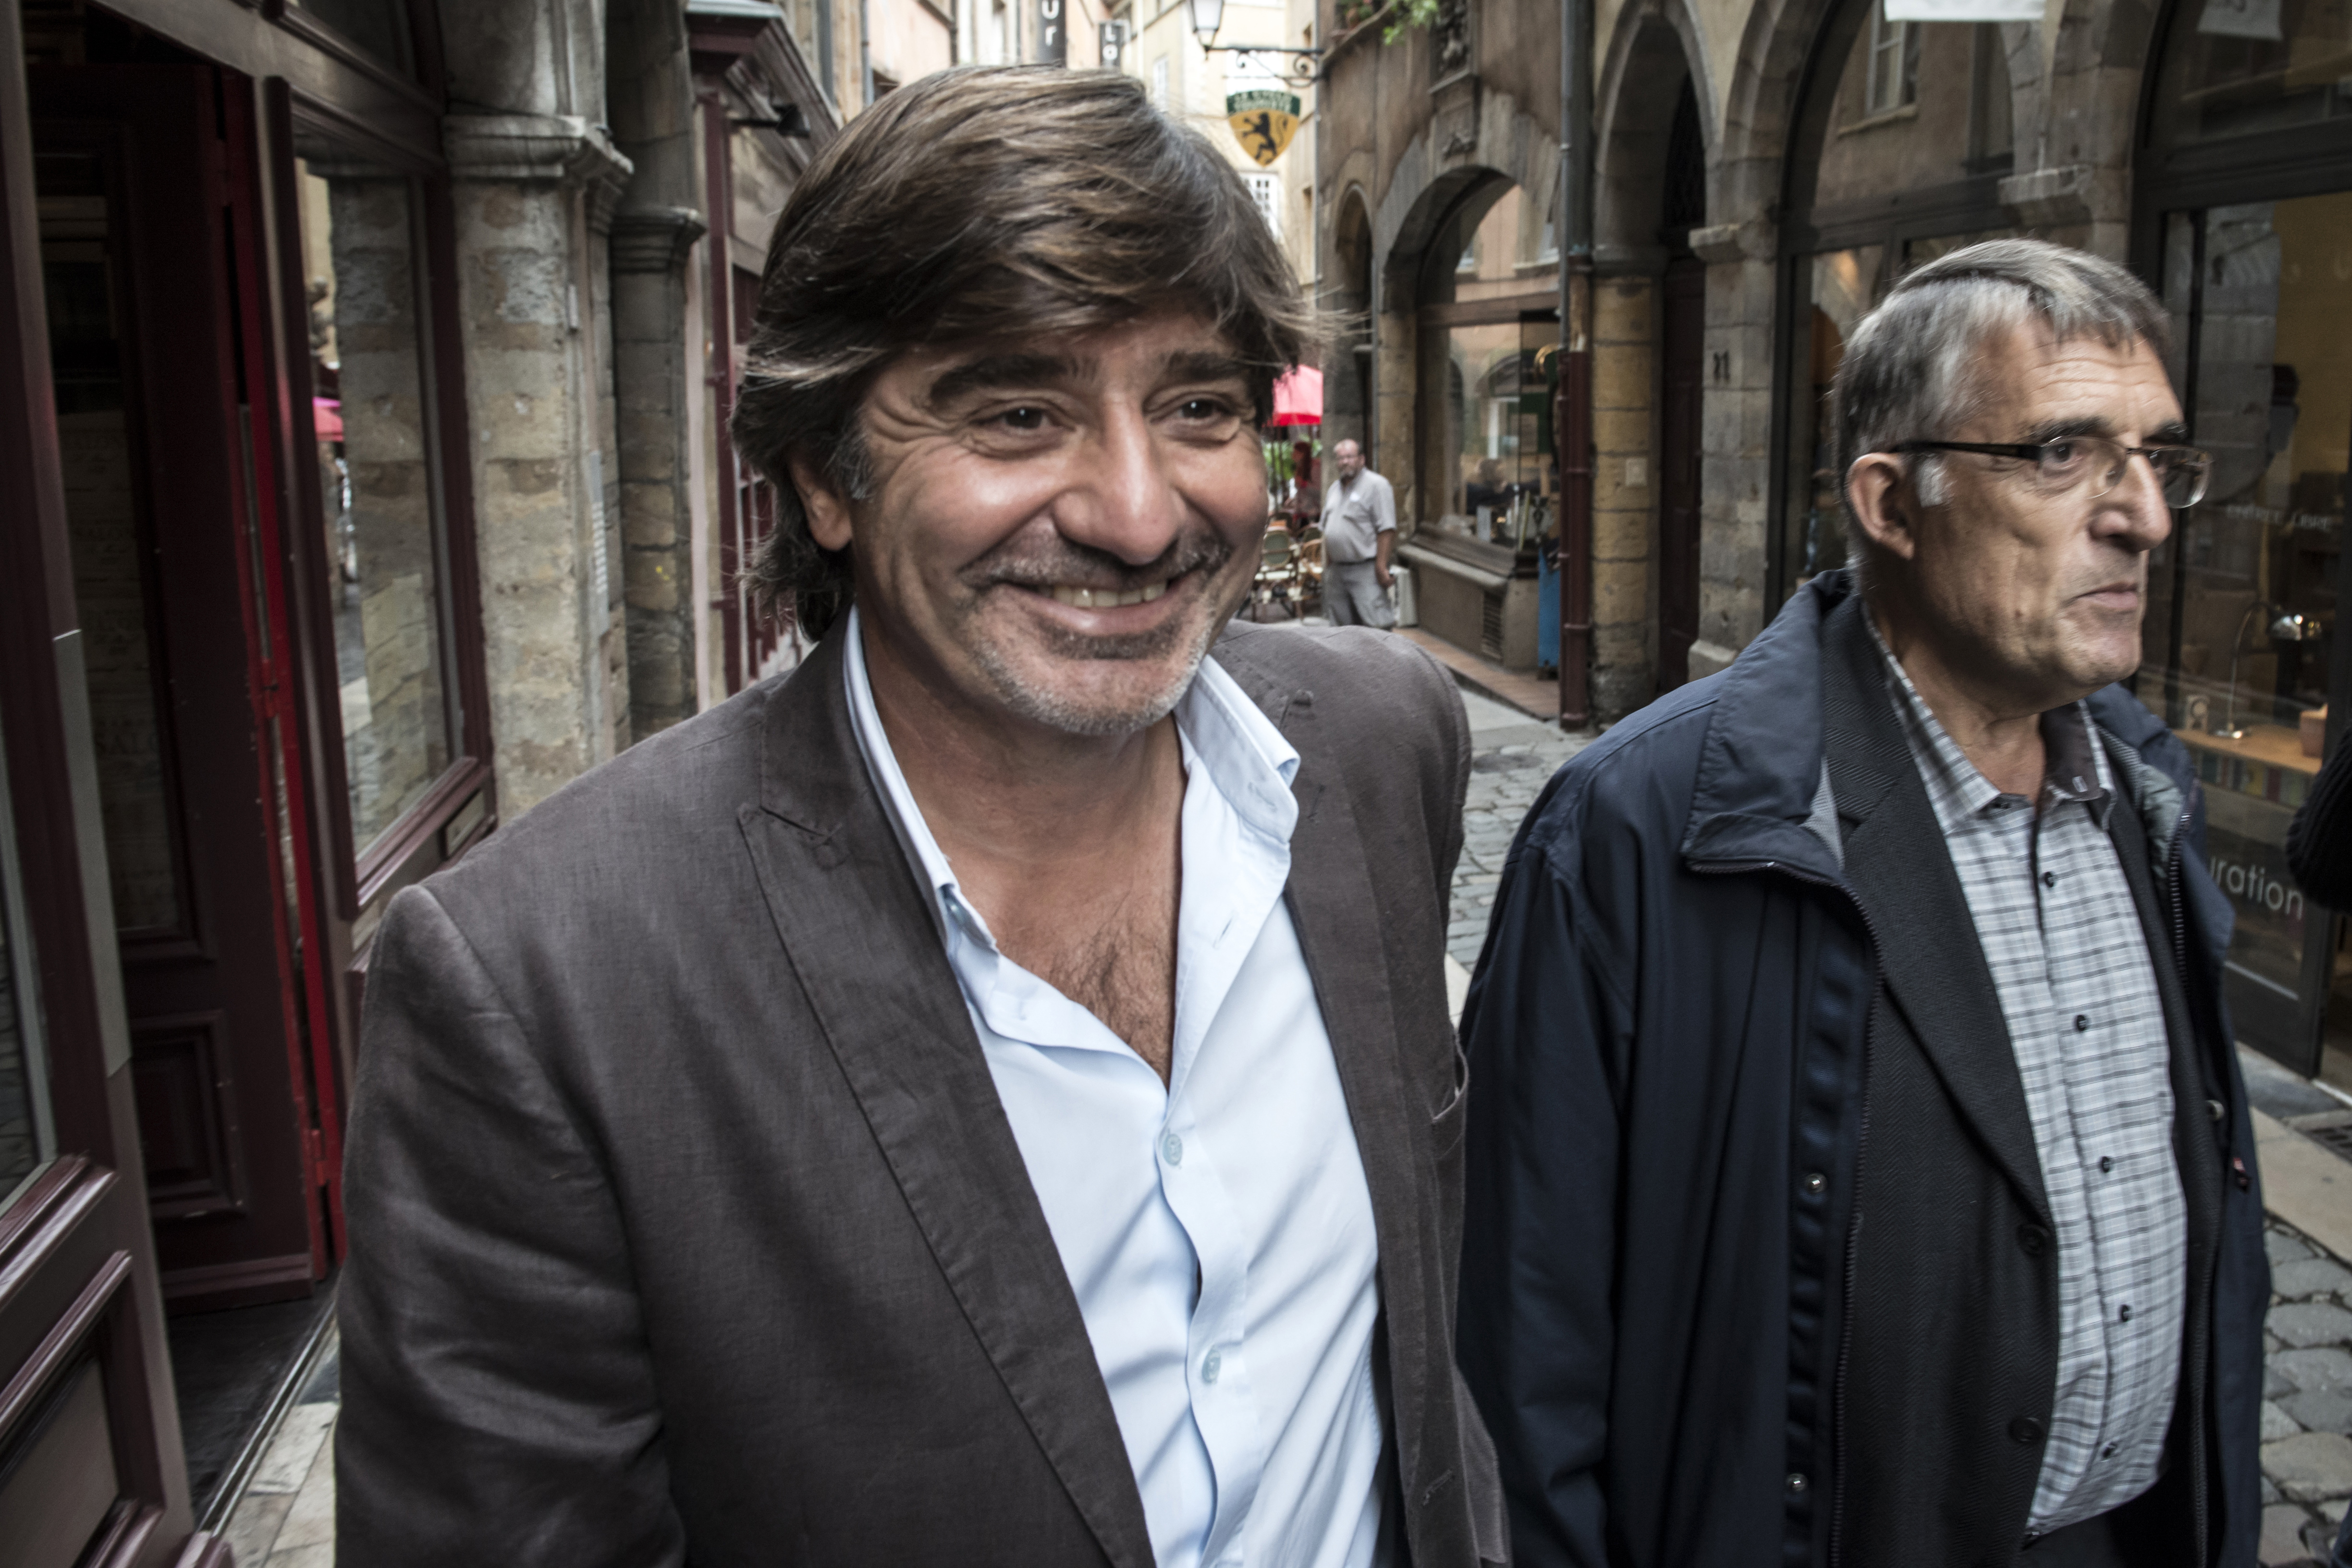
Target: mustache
<point>1021,564</point>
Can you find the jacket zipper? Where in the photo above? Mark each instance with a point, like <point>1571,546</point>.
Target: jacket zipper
<point>1853,1224</point>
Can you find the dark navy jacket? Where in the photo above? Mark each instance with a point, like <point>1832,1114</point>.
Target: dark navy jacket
<point>1667,1043</point>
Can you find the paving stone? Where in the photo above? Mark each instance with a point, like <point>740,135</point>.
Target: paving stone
<point>2282,1534</point>
<point>2276,1383</point>
<point>2323,1410</point>
<point>2307,1277</point>
<point>2270,1492</point>
<point>2278,1424</point>
<point>2306,1323</point>
<point>2310,1467</point>
<point>2328,1368</point>
<point>2282,1248</point>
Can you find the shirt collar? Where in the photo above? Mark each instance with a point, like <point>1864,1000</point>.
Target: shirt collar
<point>1226,740</point>
<point>2074,767</point>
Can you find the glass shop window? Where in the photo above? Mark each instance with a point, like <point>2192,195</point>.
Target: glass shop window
<point>1492,472</point>
<point>371,418</point>
<point>2235,67</point>
<point>2241,631</point>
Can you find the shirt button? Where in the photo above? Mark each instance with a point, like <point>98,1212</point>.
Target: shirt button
<point>2049,878</point>
<point>2106,1164</point>
<point>2082,1022</point>
<point>1210,1367</point>
<point>2108,1452</point>
<point>2123,1315</point>
<point>1171,1148</point>
<point>2025,1429</point>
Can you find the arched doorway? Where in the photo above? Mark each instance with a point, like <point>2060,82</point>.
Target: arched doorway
<point>2244,223</point>
<point>1487,322</point>
<point>1903,133</point>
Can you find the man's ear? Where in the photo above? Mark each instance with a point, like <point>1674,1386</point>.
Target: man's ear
<point>1888,507</point>
<point>826,509</point>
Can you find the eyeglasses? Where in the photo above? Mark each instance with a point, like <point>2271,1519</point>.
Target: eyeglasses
<point>2063,465</point>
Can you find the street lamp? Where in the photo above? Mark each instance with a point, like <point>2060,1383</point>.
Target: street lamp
<point>1208,15</point>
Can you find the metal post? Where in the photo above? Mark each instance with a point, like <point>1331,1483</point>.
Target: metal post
<point>1572,442</point>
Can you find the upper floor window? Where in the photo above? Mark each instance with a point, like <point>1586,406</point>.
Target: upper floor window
<point>1893,78</point>
<point>1266,190</point>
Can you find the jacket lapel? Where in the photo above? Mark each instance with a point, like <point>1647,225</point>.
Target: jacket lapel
<point>859,939</point>
<point>1901,873</point>
<point>1337,913</point>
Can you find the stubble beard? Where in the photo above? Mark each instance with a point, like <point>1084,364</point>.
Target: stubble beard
<point>1188,641</point>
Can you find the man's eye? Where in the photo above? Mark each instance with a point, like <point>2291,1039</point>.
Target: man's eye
<point>1023,419</point>
<point>2062,454</point>
<point>1202,409</point>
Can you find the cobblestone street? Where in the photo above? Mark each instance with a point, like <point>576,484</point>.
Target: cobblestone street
<point>1514,756</point>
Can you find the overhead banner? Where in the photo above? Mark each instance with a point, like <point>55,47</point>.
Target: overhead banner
<point>1965,10</point>
<point>1262,121</point>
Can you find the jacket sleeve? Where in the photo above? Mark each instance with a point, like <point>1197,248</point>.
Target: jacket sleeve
<point>498,1400</point>
<point>1537,1332</point>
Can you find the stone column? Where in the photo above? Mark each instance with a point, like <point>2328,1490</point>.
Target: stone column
<point>534,194</point>
<point>1624,493</point>
<point>650,91</point>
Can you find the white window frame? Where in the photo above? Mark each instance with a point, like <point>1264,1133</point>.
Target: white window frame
<point>1159,81</point>
<point>1265,192</point>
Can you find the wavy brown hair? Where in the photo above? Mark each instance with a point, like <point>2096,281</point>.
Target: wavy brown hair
<point>986,203</point>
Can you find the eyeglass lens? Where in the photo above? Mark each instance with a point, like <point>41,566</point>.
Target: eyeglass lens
<point>2180,471</point>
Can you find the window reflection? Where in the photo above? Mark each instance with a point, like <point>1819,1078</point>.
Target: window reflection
<point>2236,66</point>
<point>360,259</point>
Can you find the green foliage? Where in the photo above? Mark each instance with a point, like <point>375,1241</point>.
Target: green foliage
<point>1408,13</point>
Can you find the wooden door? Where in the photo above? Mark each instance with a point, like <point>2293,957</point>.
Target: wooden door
<point>1678,478</point>
<point>139,257</point>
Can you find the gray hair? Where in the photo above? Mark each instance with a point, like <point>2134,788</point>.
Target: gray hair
<point>1910,370</point>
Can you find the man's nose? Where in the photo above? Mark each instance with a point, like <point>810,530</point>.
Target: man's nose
<point>2135,515</point>
<point>1124,499</point>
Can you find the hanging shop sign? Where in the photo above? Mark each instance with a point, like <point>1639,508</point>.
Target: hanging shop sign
<point>1110,41</point>
<point>1262,121</point>
<point>1053,33</point>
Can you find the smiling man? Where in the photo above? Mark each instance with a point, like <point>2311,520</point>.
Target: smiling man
<point>988,1097</point>
<point>1861,1173</point>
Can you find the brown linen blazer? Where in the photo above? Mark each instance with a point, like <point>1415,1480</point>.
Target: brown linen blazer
<point>686,1222</point>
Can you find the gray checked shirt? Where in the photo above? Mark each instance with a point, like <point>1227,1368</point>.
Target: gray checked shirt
<point>2070,960</point>
<point>1356,512</point>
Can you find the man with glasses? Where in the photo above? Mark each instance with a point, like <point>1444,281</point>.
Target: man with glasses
<point>1860,1171</point>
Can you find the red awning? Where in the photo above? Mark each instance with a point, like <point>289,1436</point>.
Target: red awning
<point>327,418</point>
<point>1299,396</point>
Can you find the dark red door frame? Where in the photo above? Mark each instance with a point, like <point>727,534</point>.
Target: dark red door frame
<point>76,1245</point>
<point>287,723</point>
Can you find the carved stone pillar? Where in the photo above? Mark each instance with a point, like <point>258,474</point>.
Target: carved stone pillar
<point>533,194</point>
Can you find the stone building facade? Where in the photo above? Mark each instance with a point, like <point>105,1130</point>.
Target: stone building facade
<point>1764,170</point>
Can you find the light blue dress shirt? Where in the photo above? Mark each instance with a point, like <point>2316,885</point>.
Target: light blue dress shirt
<point>1245,1399</point>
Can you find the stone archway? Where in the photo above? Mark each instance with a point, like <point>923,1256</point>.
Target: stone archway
<point>1348,299</point>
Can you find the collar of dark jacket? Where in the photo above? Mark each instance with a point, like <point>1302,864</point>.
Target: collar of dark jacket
<point>1763,793</point>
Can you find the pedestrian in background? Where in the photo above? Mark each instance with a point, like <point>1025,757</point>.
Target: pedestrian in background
<point>1860,1171</point>
<point>1358,532</point>
<point>988,1097</point>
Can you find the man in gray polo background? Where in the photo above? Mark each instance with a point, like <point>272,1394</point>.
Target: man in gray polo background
<point>1359,532</point>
